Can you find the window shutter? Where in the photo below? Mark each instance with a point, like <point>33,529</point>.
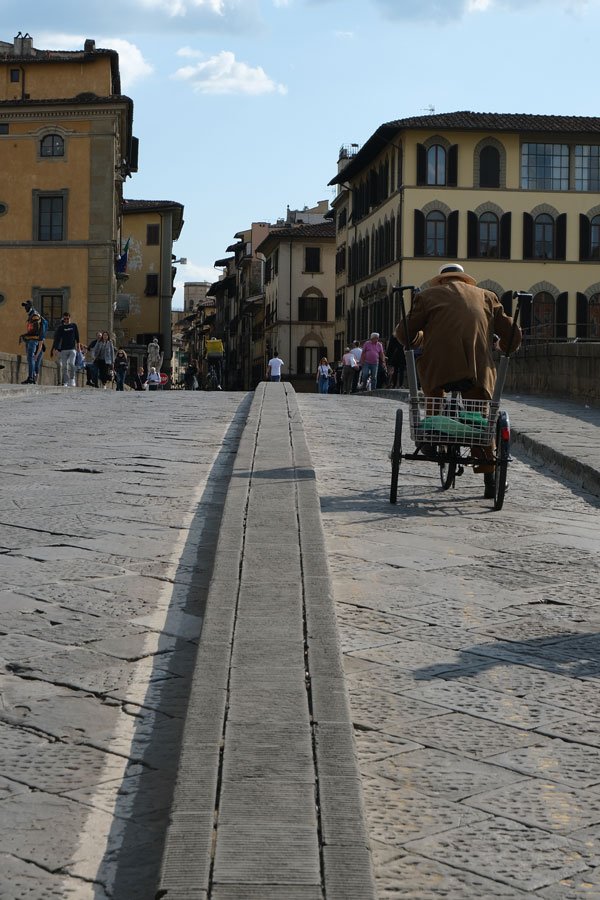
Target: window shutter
<point>472,222</point>
<point>527,236</point>
<point>300,360</point>
<point>452,241</point>
<point>562,315</point>
<point>506,301</point>
<point>581,316</point>
<point>421,164</point>
<point>505,231</point>
<point>452,176</point>
<point>561,237</point>
<point>584,237</point>
<point>419,248</point>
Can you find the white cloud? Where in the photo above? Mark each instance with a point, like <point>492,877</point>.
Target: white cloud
<point>137,17</point>
<point>344,35</point>
<point>282,2</point>
<point>223,74</point>
<point>189,52</point>
<point>174,8</point>
<point>132,65</point>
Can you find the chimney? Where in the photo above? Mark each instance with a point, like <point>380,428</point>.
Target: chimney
<point>89,46</point>
<point>23,45</point>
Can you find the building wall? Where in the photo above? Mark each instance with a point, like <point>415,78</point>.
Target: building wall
<point>81,266</point>
<point>291,282</point>
<point>50,79</point>
<point>557,277</point>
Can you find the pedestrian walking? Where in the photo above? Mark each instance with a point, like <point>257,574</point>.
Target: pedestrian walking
<point>371,359</point>
<point>153,381</point>
<point>91,369</point>
<point>121,369</point>
<point>356,351</point>
<point>324,372</point>
<point>274,367</point>
<point>33,338</point>
<point>395,361</point>
<point>349,365</point>
<point>65,345</point>
<point>139,382</point>
<point>190,376</point>
<point>104,358</point>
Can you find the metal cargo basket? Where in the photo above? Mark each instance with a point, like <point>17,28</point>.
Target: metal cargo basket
<point>449,420</point>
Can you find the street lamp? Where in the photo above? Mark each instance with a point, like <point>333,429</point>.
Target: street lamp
<point>182,261</point>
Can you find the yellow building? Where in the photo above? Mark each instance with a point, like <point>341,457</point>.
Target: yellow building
<point>66,146</point>
<point>514,198</point>
<point>299,298</point>
<point>144,299</point>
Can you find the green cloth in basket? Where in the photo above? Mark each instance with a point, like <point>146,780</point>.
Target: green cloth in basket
<point>447,425</point>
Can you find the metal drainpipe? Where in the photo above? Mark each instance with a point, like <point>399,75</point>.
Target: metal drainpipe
<point>290,334</point>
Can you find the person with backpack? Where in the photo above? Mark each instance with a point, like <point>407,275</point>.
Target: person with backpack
<point>33,338</point>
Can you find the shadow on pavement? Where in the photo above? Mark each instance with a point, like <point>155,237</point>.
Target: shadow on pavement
<point>131,865</point>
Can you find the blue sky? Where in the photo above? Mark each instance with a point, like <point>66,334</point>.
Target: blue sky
<point>241,106</point>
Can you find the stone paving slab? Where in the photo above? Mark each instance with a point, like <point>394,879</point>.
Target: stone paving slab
<point>462,670</point>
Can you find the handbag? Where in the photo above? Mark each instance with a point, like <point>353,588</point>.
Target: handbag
<point>79,360</point>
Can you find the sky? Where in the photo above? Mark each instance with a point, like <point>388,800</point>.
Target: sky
<point>241,106</point>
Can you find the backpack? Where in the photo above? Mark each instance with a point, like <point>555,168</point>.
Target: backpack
<point>37,327</point>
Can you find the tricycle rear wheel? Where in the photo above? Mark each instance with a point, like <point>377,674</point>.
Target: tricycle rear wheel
<point>396,456</point>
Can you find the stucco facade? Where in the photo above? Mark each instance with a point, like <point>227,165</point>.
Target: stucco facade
<point>300,298</point>
<point>513,198</point>
<point>66,146</point>
<point>144,299</point>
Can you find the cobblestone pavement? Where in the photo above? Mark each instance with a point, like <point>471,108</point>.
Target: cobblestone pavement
<point>472,652</point>
<point>109,511</point>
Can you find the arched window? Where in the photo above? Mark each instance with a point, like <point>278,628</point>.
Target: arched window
<point>594,317</point>
<point>595,238</point>
<point>489,167</point>
<point>488,235</point>
<point>436,164</point>
<point>543,319</point>
<point>544,237</point>
<point>435,234</point>
<point>52,145</point>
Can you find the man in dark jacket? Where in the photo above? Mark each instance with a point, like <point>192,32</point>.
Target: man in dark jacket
<point>66,344</point>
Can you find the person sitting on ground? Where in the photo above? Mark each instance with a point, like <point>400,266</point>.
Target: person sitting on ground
<point>453,321</point>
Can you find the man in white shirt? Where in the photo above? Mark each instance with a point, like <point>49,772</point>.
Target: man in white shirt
<point>274,368</point>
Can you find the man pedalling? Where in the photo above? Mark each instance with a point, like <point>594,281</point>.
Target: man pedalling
<point>453,323</point>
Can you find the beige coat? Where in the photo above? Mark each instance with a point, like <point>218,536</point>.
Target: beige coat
<point>454,324</point>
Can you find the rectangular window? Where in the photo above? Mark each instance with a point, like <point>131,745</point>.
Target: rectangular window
<point>51,218</point>
<point>3,127</point>
<point>312,309</point>
<point>340,304</point>
<point>152,235</point>
<point>151,284</point>
<point>545,167</point>
<point>15,75</point>
<point>587,167</point>
<point>308,359</point>
<point>51,307</point>
<point>312,259</point>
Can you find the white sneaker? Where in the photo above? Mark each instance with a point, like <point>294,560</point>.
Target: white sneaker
<point>72,383</point>
<point>66,384</point>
